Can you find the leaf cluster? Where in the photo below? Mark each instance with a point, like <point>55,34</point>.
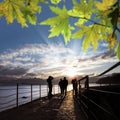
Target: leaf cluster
<point>21,10</point>
<point>94,20</point>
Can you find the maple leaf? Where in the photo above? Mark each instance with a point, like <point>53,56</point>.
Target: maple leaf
<point>20,10</point>
<point>7,10</point>
<point>83,9</point>
<point>105,4</point>
<point>59,24</point>
<point>111,39</point>
<point>91,35</point>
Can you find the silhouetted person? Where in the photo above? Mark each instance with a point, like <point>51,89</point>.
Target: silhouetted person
<point>65,84</point>
<point>49,81</point>
<point>75,89</point>
<point>87,82</point>
<point>61,86</point>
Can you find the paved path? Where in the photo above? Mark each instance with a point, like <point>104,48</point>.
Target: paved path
<point>69,109</point>
<point>54,109</point>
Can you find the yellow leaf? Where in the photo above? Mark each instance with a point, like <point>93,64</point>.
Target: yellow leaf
<point>10,14</point>
<point>20,18</point>
<point>105,4</point>
<point>8,11</point>
<point>111,39</point>
<point>1,9</point>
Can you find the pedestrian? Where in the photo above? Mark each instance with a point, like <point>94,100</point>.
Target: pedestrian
<point>65,84</point>
<point>61,86</point>
<point>75,89</point>
<point>49,81</point>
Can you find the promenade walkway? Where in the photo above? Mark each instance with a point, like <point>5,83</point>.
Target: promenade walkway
<point>56,108</point>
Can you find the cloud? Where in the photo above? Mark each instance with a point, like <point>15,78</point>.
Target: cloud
<point>41,60</point>
<point>11,73</point>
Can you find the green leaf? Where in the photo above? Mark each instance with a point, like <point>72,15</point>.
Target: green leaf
<point>55,1</point>
<point>78,34</point>
<point>32,19</point>
<point>83,9</point>
<point>59,24</point>
<point>91,34</point>
<point>34,6</point>
<point>80,22</point>
<point>59,11</point>
<point>74,2</point>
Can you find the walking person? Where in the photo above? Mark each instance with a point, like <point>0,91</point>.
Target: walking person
<point>49,81</point>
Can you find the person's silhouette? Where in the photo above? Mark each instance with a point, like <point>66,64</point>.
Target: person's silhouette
<point>74,83</point>
<point>65,84</point>
<point>61,86</point>
<point>49,81</point>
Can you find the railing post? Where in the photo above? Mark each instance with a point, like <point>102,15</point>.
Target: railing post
<point>87,82</point>
<point>17,94</point>
<point>58,88</point>
<point>79,87</point>
<point>54,89</point>
<point>31,93</point>
<point>47,89</point>
<point>88,100</point>
<point>40,90</point>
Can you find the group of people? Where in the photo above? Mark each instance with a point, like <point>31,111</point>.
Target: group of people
<point>63,83</point>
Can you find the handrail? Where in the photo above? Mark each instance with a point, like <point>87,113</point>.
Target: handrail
<point>7,96</point>
<point>83,78</point>
<point>16,97</point>
<point>21,96</point>
<point>86,78</point>
<point>7,102</point>
<point>99,107</point>
<point>106,92</point>
<point>114,66</point>
<point>103,109</point>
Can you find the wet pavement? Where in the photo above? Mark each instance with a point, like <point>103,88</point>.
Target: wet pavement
<point>69,109</point>
<point>57,108</point>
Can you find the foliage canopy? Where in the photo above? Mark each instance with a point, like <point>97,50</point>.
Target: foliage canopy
<point>95,20</point>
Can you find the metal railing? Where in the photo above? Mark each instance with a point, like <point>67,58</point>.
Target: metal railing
<point>89,99</point>
<point>14,96</point>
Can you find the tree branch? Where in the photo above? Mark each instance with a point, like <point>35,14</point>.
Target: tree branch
<point>91,21</point>
<point>94,22</point>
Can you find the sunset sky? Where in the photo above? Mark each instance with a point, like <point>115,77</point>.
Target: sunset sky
<point>27,52</point>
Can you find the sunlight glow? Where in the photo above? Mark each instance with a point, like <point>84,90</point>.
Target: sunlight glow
<point>71,72</point>
<point>41,60</point>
